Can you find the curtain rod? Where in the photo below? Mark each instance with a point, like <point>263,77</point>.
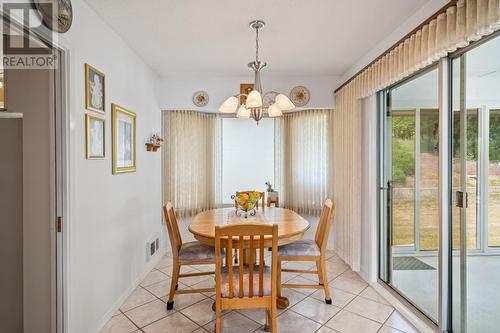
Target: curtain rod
<point>435,15</point>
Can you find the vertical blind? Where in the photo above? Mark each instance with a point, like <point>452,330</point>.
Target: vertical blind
<point>302,160</point>
<point>461,24</point>
<point>191,161</point>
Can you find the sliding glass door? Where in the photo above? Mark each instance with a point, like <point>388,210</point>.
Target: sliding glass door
<point>447,266</point>
<point>476,188</point>
<point>411,184</point>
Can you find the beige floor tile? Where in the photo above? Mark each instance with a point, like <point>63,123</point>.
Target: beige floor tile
<point>287,276</point>
<point>293,296</point>
<point>348,273</point>
<point>315,310</point>
<point>184,269</point>
<point>296,264</point>
<point>204,268</point>
<point>350,285</point>
<point>117,312</point>
<point>257,315</point>
<point>387,329</point>
<point>335,269</point>
<point>154,276</point>
<point>119,324</point>
<point>176,323</point>
<point>182,301</point>
<point>234,322</point>
<point>148,313</point>
<point>348,322</point>
<point>200,330</point>
<point>370,309</point>
<point>396,320</point>
<point>189,281</point>
<point>138,297</point>
<point>290,321</point>
<point>312,277</point>
<point>208,283</point>
<point>164,262</point>
<point>302,280</point>
<point>339,297</point>
<point>372,294</point>
<point>325,329</point>
<point>200,312</point>
<point>161,288</point>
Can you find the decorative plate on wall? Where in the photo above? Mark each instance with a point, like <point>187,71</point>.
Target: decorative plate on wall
<point>300,96</point>
<point>63,10</point>
<point>200,98</point>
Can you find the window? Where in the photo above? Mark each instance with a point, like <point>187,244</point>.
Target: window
<point>247,155</point>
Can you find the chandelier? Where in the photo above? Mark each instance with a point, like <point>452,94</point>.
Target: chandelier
<point>257,102</point>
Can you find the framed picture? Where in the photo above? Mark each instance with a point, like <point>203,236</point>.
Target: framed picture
<point>123,137</point>
<point>95,89</point>
<point>245,88</point>
<point>94,138</point>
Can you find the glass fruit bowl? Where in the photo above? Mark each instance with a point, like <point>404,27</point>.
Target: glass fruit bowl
<point>245,203</point>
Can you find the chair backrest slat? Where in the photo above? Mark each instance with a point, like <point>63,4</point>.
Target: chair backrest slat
<point>250,237</point>
<point>229,260</point>
<point>242,256</point>
<point>172,229</point>
<point>251,263</point>
<point>325,222</point>
<point>261,266</point>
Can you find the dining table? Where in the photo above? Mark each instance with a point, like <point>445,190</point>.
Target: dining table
<point>291,227</point>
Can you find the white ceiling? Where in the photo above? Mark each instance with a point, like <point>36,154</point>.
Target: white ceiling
<point>302,37</point>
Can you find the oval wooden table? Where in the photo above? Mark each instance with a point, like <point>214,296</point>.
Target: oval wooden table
<point>291,227</point>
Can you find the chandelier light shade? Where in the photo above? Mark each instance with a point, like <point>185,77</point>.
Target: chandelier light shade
<point>284,103</point>
<point>243,112</point>
<point>229,105</point>
<point>257,103</point>
<point>274,111</point>
<point>254,99</point>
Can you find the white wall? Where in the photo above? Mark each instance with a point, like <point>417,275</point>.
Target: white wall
<point>111,216</point>
<point>177,92</point>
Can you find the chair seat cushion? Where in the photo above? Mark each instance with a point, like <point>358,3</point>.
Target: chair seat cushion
<point>196,251</point>
<point>305,247</point>
<point>246,289</point>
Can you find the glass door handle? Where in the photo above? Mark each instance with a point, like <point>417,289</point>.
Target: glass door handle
<point>462,199</point>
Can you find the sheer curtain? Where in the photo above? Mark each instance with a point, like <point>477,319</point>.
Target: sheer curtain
<point>302,160</point>
<point>191,161</point>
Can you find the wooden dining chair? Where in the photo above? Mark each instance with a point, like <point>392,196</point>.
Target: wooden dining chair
<point>262,199</point>
<point>246,286</point>
<point>310,250</point>
<point>190,253</point>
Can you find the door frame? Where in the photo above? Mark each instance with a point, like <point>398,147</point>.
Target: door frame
<point>60,161</point>
<point>385,135</point>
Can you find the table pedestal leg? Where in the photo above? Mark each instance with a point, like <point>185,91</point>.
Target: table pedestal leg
<point>282,302</point>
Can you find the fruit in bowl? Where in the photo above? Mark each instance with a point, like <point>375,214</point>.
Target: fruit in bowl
<point>246,202</point>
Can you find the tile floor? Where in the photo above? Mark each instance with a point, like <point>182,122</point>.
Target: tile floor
<point>356,308</point>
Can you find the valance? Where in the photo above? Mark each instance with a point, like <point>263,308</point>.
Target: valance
<point>466,21</point>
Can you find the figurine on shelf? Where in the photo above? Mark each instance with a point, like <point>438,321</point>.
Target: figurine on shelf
<point>269,187</point>
<point>272,195</point>
<point>154,142</point>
